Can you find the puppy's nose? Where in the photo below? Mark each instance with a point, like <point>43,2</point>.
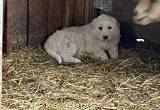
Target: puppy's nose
<point>105,37</point>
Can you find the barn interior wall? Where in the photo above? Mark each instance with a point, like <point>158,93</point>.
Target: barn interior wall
<point>30,22</point>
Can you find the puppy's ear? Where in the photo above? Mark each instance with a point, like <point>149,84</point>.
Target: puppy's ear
<point>102,16</point>
<point>97,19</point>
<point>94,23</point>
<point>114,20</point>
<point>118,24</point>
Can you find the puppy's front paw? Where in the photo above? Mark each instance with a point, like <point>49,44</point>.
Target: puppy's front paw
<point>113,52</point>
<point>76,60</point>
<point>104,58</point>
<point>70,59</point>
<point>114,56</point>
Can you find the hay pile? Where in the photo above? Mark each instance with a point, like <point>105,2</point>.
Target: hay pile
<point>32,81</point>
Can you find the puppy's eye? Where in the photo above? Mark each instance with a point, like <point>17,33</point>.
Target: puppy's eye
<point>100,28</point>
<point>109,27</point>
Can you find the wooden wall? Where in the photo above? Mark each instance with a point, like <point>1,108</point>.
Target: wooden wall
<point>30,22</point>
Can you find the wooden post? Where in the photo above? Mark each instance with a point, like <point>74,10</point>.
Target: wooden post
<point>68,12</point>
<point>1,35</point>
<point>16,31</point>
<point>38,18</point>
<point>88,11</point>
<point>55,15</point>
<point>79,18</point>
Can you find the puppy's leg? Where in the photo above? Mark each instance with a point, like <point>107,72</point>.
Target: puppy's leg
<point>99,54</point>
<point>68,53</point>
<point>54,55</point>
<point>70,59</point>
<point>113,52</point>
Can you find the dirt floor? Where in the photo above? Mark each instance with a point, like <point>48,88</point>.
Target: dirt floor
<point>33,81</point>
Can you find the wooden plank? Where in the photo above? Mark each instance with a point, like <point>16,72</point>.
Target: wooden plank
<point>79,18</point>
<point>55,15</point>
<point>38,18</point>
<point>68,12</point>
<point>88,11</point>
<point>16,31</point>
<point>5,27</point>
<point>1,34</point>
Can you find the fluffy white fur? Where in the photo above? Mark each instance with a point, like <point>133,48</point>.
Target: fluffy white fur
<point>147,12</point>
<point>93,39</point>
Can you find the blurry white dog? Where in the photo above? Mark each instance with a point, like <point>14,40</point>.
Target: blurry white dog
<point>147,11</point>
<point>93,39</point>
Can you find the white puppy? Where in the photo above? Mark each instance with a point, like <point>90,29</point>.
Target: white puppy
<point>92,40</point>
<point>147,11</point>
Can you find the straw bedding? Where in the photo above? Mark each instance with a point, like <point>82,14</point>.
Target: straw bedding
<point>33,81</point>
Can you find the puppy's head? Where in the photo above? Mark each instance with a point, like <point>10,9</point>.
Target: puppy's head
<point>106,27</point>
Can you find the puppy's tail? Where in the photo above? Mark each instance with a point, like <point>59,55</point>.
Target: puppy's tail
<point>54,55</point>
